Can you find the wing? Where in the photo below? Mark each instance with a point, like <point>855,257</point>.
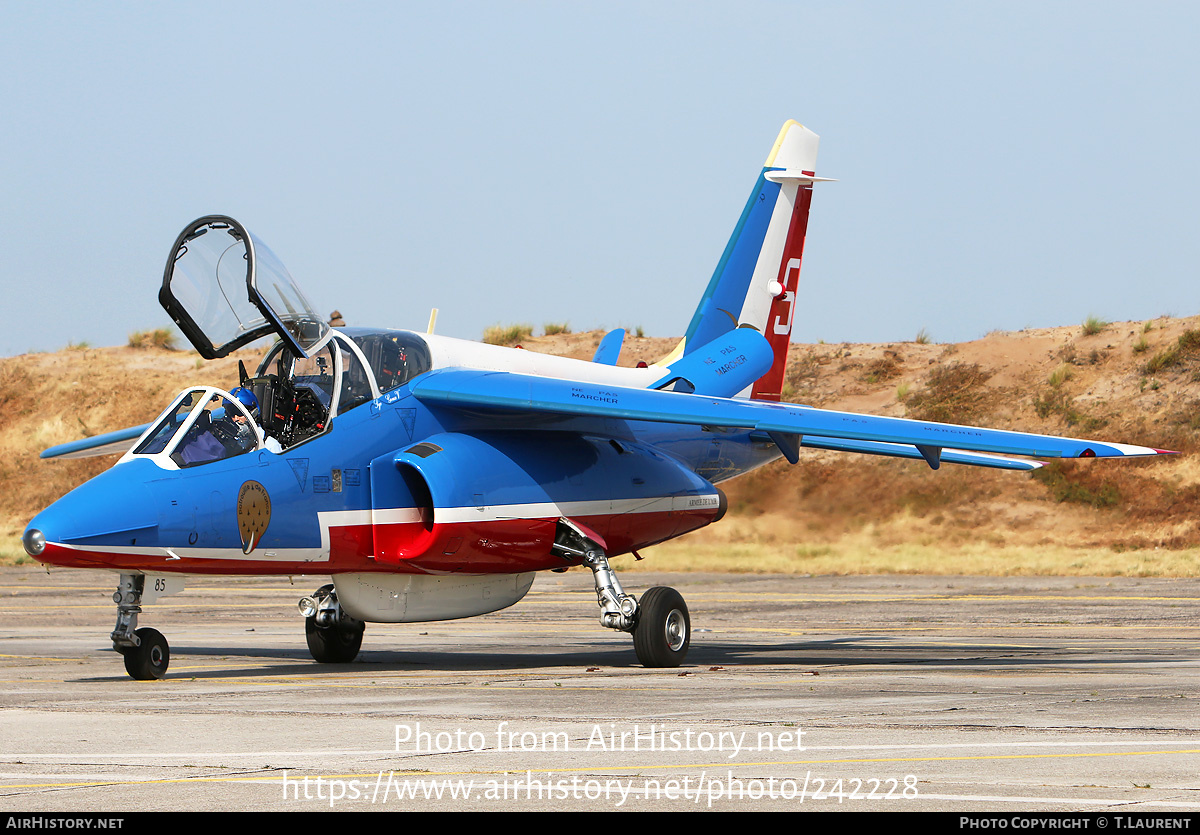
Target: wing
<point>789,425</point>
<point>111,443</point>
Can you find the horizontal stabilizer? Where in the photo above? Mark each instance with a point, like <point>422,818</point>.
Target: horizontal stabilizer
<point>609,348</point>
<point>725,366</point>
<point>111,443</point>
<point>795,175</point>
<point>540,395</point>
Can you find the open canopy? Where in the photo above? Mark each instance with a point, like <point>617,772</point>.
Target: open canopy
<point>224,288</point>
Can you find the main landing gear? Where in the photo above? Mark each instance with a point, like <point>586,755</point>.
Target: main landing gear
<point>334,637</point>
<point>661,627</point>
<point>146,651</point>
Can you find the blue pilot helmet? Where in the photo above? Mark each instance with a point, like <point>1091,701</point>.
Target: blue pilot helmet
<point>247,399</point>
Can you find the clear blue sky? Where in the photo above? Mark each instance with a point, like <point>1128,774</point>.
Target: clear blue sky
<point>1001,165</point>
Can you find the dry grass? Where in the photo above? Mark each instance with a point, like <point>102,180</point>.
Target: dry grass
<point>555,328</point>
<point>161,338</point>
<point>507,334</point>
<point>1065,488</point>
<point>1093,325</point>
<point>1186,348</point>
<point>885,368</point>
<point>858,556</point>
<point>953,394</point>
<point>1060,375</point>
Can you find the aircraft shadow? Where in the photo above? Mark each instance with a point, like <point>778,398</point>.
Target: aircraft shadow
<point>803,655</point>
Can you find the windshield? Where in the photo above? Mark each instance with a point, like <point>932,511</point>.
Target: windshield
<point>202,425</point>
<point>169,423</point>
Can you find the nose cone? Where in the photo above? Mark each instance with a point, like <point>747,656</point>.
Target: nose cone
<point>111,511</point>
<point>34,541</point>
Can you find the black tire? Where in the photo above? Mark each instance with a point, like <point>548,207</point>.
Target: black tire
<point>334,644</point>
<point>664,629</point>
<point>150,658</point>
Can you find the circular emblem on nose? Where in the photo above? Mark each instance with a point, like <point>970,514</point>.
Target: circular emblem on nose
<point>253,514</point>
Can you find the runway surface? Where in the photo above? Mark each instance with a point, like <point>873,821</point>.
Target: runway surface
<point>888,693</point>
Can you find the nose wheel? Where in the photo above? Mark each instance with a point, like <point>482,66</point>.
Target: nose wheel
<point>149,659</point>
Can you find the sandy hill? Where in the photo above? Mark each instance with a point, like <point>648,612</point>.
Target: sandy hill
<point>1137,382</point>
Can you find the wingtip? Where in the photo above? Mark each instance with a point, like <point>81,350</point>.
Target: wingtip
<point>1097,449</point>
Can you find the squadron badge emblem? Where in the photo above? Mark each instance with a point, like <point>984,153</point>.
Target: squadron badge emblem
<point>253,514</point>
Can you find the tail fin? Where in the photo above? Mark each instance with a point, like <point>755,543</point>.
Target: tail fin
<point>756,281</point>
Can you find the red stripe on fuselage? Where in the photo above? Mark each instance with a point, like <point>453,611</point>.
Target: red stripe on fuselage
<point>486,547</point>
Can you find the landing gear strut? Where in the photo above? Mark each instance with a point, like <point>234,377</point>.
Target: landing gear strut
<point>334,637</point>
<point>661,627</point>
<point>146,651</point>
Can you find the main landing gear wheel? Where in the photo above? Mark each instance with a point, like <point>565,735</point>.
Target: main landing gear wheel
<point>333,644</point>
<point>664,631</point>
<point>334,637</point>
<point>149,659</point>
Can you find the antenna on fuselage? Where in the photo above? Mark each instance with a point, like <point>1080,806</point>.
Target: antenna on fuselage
<point>432,320</point>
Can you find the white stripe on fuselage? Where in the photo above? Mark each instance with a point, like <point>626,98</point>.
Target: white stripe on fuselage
<point>573,510</point>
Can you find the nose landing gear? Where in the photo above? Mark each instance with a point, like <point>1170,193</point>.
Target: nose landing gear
<point>146,651</point>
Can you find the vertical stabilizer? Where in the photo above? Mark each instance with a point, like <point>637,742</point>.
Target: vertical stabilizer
<point>756,281</point>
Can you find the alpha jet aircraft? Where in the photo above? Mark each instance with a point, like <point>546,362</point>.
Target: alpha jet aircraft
<point>432,478</point>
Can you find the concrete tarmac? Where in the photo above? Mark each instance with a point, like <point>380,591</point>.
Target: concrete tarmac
<point>824,693</point>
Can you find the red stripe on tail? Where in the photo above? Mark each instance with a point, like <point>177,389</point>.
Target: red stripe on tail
<point>783,308</point>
